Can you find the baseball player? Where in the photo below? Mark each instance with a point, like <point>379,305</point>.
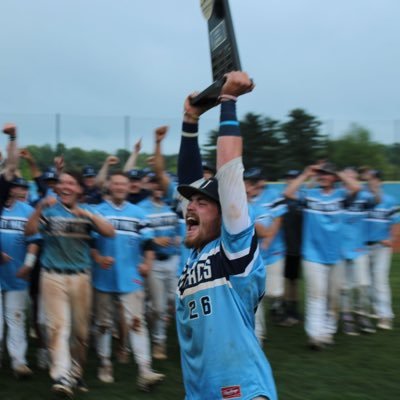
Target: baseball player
<point>321,248</point>
<point>356,282</point>
<point>121,264</point>
<point>381,223</point>
<point>65,279</point>
<point>162,278</point>
<point>224,277</point>
<point>20,253</point>
<point>268,207</point>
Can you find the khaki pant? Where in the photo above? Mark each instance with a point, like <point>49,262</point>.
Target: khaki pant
<point>67,306</point>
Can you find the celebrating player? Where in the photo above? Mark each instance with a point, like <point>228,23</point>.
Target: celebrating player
<point>224,277</point>
<point>121,264</point>
<point>65,281</point>
<point>321,247</point>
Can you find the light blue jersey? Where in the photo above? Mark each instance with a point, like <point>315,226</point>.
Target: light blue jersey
<point>164,222</point>
<point>221,286</point>
<point>322,224</point>
<point>381,218</point>
<point>66,239</point>
<point>14,243</point>
<point>184,251</point>
<point>267,207</point>
<point>355,231</point>
<point>125,248</point>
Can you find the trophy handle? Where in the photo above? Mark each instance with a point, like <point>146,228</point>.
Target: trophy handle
<point>210,95</point>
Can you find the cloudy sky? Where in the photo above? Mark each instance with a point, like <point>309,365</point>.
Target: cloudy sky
<point>95,61</point>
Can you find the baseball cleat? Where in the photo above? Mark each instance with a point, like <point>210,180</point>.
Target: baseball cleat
<point>105,374</point>
<point>146,380</point>
<point>385,324</point>
<point>22,371</point>
<point>63,388</point>
<point>366,326</point>
<point>349,328</point>
<point>159,352</point>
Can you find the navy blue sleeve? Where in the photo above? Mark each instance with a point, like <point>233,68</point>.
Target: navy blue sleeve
<point>189,159</point>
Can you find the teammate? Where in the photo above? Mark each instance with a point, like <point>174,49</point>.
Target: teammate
<point>268,207</point>
<point>356,282</point>
<point>321,248</point>
<point>121,264</point>
<point>292,228</point>
<point>21,255</point>
<point>382,222</point>
<point>224,277</point>
<point>162,278</point>
<point>91,191</point>
<point>65,281</point>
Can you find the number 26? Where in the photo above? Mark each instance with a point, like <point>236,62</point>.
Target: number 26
<point>205,306</point>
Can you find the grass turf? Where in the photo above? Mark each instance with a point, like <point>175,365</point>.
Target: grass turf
<point>364,367</point>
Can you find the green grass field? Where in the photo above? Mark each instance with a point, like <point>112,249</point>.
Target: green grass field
<point>356,368</point>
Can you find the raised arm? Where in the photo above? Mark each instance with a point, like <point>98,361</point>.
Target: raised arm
<point>189,159</point>
<point>11,163</point>
<point>231,187</point>
<point>294,185</point>
<point>131,161</point>
<point>158,161</point>
<point>102,175</point>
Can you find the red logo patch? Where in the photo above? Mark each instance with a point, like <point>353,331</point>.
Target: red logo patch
<point>231,392</point>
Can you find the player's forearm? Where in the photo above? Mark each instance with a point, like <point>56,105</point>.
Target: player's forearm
<point>293,187</point>
<point>189,157</point>
<point>32,225</point>
<point>352,184</point>
<point>102,226</point>
<point>131,162</point>
<point>101,176</point>
<point>276,225</point>
<point>159,167</point>
<point>229,143</point>
<point>11,163</point>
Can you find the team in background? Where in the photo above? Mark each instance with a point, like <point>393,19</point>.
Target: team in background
<point>104,252</point>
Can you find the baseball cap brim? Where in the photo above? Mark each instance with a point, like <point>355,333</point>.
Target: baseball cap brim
<point>187,191</point>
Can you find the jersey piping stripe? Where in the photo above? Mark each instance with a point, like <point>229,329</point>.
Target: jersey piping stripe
<point>204,286</point>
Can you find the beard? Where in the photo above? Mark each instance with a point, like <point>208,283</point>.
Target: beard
<point>202,238</point>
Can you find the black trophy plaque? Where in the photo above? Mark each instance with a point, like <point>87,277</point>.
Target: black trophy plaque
<point>223,48</point>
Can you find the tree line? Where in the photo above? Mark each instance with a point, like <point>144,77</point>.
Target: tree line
<point>271,145</point>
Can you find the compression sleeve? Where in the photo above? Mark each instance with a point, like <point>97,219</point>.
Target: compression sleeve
<point>232,194</point>
<point>189,159</point>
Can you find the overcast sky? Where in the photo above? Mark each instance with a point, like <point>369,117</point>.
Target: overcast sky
<point>94,61</point>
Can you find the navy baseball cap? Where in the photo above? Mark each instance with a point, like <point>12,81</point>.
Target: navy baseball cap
<point>208,188</point>
<point>292,173</point>
<point>152,177</point>
<point>17,181</point>
<point>88,171</point>
<point>50,174</point>
<point>135,174</point>
<point>252,174</point>
<point>376,173</point>
<point>327,168</point>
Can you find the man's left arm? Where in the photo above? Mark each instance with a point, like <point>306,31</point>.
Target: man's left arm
<point>230,169</point>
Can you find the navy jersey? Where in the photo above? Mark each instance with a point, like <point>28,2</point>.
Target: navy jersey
<point>66,239</point>
<point>381,218</point>
<point>14,243</point>
<point>223,282</point>
<point>125,247</point>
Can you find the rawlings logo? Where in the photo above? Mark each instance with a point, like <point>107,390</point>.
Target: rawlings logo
<point>231,392</point>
